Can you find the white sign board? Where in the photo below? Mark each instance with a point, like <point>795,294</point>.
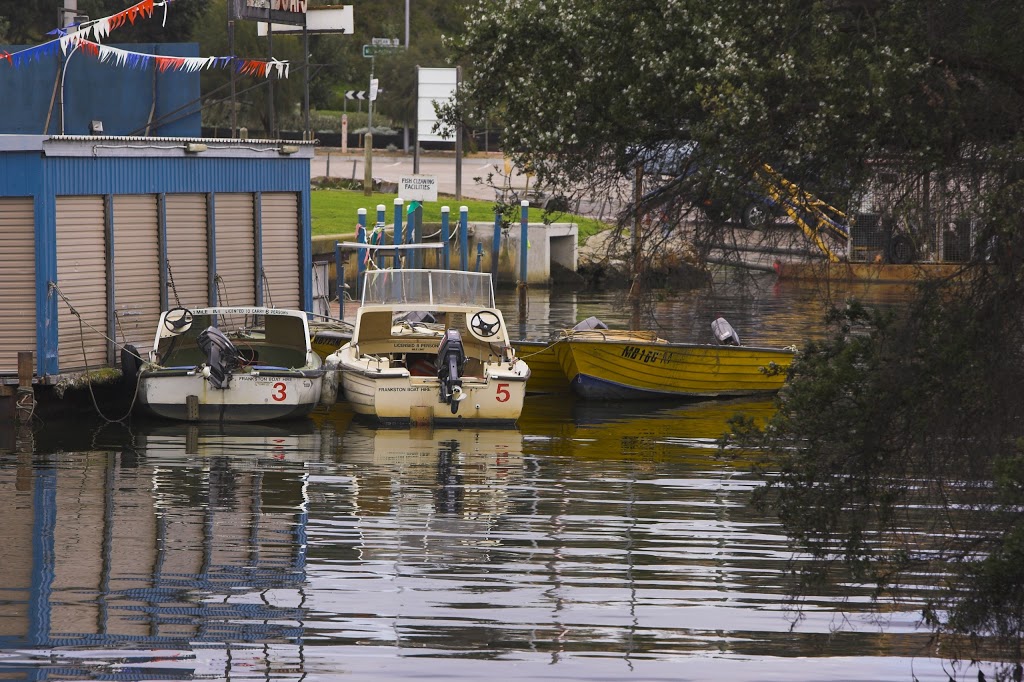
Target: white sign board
<point>435,85</point>
<point>373,89</point>
<point>418,187</point>
<point>318,20</point>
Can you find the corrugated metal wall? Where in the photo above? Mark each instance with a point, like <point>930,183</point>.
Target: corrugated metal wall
<point>187,251</point>
<point>136,268</point>
<point>66,185</point>
<point>235,249</point>
<point>17,281</point>
<point>82,278</point>
<point>281,267</point>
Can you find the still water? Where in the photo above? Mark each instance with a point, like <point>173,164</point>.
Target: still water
<point>593,542</point>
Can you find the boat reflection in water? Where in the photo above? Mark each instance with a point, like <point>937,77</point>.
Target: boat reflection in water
<point>148,549</point>
<point>461,473</point>
<point>648,430</point>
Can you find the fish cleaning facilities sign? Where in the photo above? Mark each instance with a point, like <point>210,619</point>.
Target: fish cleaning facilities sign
<point>418,187</point>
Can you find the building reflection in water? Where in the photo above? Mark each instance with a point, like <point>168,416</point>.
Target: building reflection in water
<point>173,537</point>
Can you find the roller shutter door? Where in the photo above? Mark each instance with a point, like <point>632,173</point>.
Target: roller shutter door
<point>281,266</point>
<point>82,277</point>
<point>236,249</point>
<point>136,268</point>
<point>17,281</point>
<point>187,251</point>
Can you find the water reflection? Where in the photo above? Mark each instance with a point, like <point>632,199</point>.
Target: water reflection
<point>161,538</point>
<point>609,541</point>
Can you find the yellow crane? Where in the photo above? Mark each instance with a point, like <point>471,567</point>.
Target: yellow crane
<point>815,218</point>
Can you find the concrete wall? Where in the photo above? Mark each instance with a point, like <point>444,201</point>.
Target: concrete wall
<point>548,244</point>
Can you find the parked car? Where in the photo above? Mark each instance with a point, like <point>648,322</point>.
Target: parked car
<point>706,186</point>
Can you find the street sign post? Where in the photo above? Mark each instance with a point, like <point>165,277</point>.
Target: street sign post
<point>373,50</point>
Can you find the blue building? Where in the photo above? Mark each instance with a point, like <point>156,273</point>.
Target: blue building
<point>99,234</point>
<point>48,93</point>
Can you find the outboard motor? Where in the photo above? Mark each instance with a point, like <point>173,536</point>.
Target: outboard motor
<point>724,332</point>
<point>589,324</point>
<point>221,356</point>
<point>451,359</point>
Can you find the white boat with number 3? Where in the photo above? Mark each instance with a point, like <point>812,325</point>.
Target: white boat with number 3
<point>429,346</point>
<point>238,364</point>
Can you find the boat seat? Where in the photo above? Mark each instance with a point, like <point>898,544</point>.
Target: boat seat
<point>473,368</point>
<point>278,356</point>
<point>184,357</point>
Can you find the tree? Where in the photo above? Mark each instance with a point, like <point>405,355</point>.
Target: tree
<point>895,413</point>
<point>818,88</point>
<point>251,93</point>
<point>182,18</point>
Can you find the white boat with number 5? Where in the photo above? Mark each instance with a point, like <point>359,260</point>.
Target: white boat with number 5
<point>429,346</point>
<point>238,364</point>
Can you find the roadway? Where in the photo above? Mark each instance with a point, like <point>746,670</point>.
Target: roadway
<point>390,166</point>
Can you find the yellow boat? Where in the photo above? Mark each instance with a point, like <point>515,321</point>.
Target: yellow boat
<point>546,375</point>
<point>605,364</point>
<point>326,336</point>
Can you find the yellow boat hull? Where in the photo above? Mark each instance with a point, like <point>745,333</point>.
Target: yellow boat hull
<point>604,368</point>
<point>543,358</point>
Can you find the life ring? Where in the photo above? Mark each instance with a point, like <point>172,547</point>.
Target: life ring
<point>130,363</point>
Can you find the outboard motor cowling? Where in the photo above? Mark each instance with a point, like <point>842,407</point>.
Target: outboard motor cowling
<point>589,324</point>
<point>451,359</point>
<point>221,356</point>
<point>724,332</point>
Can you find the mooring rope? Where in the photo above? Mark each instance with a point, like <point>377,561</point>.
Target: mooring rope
<point>82,324</point>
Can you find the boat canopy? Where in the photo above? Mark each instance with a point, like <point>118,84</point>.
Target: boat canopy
<point>427,288</point>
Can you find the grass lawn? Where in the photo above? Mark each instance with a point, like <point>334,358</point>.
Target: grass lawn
<point>335,211</point>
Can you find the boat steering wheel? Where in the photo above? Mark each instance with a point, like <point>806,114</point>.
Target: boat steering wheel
<point>178,320</point>
<point>485,324</point>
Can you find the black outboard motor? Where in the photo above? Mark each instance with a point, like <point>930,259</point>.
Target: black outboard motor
<point>451,359</point>
<point>589,324</point>
<point>221,356</point>
<point>724,332</point>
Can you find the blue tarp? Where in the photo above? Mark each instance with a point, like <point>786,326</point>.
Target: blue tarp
<point>124,99</point>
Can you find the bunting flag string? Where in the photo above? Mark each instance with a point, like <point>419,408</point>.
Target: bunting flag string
<point>139,60</point>
<point>101,28</point>
<point>98,29</point>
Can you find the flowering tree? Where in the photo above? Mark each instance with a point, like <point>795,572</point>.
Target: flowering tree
<point>898,441</point>
<point>818,88</point>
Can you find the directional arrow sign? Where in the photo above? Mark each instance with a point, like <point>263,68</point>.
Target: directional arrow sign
<point>355,94</point>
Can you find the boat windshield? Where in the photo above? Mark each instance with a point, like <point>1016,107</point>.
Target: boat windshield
<point>427,287</point>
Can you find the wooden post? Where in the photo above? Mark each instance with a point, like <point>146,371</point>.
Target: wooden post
<point>464,238</point>
<point>25,400</point>
<point>495,247</point>
<point>524,245</point>
<point>637,244</point>
<point>445,237</point>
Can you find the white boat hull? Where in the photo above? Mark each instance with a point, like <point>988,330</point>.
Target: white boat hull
<point>237,364</point>
<point>428,346</point>
<point>393,396</point>
<point>248,398</point>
